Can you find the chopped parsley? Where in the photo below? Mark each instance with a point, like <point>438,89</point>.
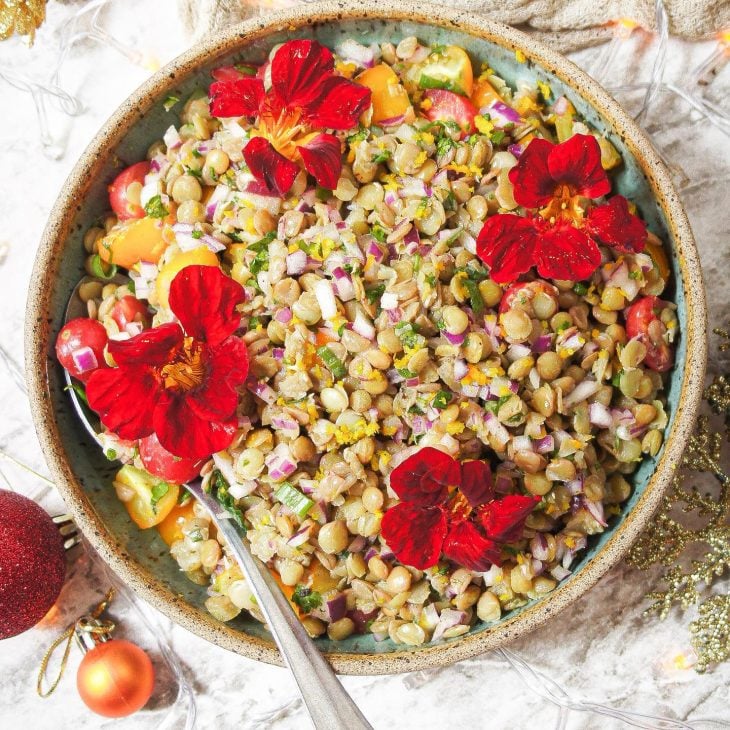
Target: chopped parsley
<point>184,497</point>
<point>476,300</point>
<point>197,234</point>
<point>333,363</point>
<point>379,233</point>
<point>407,333</point>
<point>382,156</point>
<point>306,598</point>
<point>262,243</point>
<point>358,136</point>
<point>374,293</point>
<point>580,289</point>
<point>157,493</point>
<point>444,143</point>
<point>110,454</point>
<point>80,391</point>
<point>155,208</point>
<point>170,102</point>
<point>297,502</point>
<point>497,137</point>
<point>218,487</point>
<point>442,399</point>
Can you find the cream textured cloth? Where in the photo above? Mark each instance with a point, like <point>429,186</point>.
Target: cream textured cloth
<point>565,24</point>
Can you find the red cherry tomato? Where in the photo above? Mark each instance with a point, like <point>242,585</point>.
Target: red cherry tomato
<point>118,191</point>
<point>130,309</point>
<point>231,73</point>
<point>521,294</point>
<point>642,321</point>
<point>80,347</point>
<point>447,106</point>
<point>160,462</point>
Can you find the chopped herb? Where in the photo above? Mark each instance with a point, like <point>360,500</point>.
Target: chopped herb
<point>110,454</point>
<point>417,260</point>
<point>431,82</point>
<point>218,487</point>
<point>443,144</point>
<point>415,410</point>
<point>373,294</point>
<point>636,274</point>
<point>132,288</point>
<point>170,102</point>
<point>379,233</point>
<point>449,201</point>
<point>260,263</point>
<point>349,268</point>
<point>297,502</point>
<point>322,193</point>
<point>497,136</point>
<point>306,598</point>
<point>195,173</point>
<point>358,136</point>
<point>563,326</point>
<point>341,329</point>
<point>197,153</point>
<point>475,296</point>
<point>195,535</point>
<point>101,269</point>
<point>254,322</point>
<point>245,69</point>
<point>155,208</point>
<point>158,492</point>
<point>213,174</point>
<point>333,363</point>
<point>615,380</point>
<point>197,234</point>
<point>442,399</point>
<point>79,390</point>
<point>437,50</point>
<point>407,333</point>
<point>406,373</point>
<point>382,156</point>
<point>431,279</point>
<point>472,139</point>
<point>580,289</point>
<point>184,497</point>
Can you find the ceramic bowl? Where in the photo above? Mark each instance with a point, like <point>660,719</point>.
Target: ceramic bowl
<point>84,476</point>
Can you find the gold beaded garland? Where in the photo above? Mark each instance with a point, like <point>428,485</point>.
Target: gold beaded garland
<point>21,17</point>
<point>689,518</point>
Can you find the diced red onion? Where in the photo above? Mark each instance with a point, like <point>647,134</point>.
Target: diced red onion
<point>461,369</point>
<point>357,545</point>
<point>560,573</point>
<point>454,339</point>
<point>522,443</point>
<point>429,616</point>
<point>575,486</point>
<point>296,262</point>
<point>262,390</point>
<point>545,444</point>
<point>542,343</point>
<point>171,138</point>
<point>447,620</point>
<point>351,50</point>
<point>501,114</point>
<point>539,547</point>
<point>517,351</point>
<point>561,105</point>
<point>599,415</point>
<point>363,326</point>
<point>495,428</point>
<point>389,301</point>
<point>283,315</point>
<point>188,242</point>
<point>585,389</point>
<point>375,251</point>
<point>280,463</point>
<point>325,298</point>
<point>343,284</point>
<point>300,536</point>
<point>336,607</point>
<point>412,382</point>
<point>84,359</point>
<point>515,149</point>
<point>392,121</point>
<point>287,424</point>
<point>596,510</point>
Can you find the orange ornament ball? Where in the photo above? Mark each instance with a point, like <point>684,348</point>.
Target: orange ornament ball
<point>115,678</point>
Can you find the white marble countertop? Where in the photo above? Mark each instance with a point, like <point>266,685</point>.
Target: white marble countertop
<point>601,649</point>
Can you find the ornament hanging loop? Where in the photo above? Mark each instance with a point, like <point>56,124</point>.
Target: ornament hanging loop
<point>88,631</point>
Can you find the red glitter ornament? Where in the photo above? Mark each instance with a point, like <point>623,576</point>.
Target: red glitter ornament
<point>32,563</point>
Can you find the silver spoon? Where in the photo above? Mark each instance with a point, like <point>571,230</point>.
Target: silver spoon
<point>329,705</point>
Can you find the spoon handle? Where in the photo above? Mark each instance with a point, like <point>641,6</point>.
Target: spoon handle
<point>329,705</point>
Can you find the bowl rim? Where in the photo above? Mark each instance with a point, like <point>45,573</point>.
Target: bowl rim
<point>224,42</point>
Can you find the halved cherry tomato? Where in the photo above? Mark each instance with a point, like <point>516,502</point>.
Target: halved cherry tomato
<point>389,99</point>
<point>201,256</point>
<point>160,462</point>
<point>170,528</point>
<point>130,309</point>
<point>233,73</point>
<point>642,321</point>
<point>483,94</point>
<point>521,295</point>
<point>152,499</point>
<point>449,68</point>
<point>448,106</point>
<point>119,193</point>
<point>79,343</point>
<point>138,240</point>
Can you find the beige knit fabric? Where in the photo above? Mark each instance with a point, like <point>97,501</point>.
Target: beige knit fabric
<point>565,24</point>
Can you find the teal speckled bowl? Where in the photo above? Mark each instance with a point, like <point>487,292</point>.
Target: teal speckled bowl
<point>84,476</point>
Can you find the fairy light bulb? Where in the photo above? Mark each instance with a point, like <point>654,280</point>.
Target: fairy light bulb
<point>622,30</point>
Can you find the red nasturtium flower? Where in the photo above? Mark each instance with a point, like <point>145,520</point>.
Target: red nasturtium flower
<point>450,508</point>
<point>306,97</point>
<point>561,232</point>
<point>179,380</point>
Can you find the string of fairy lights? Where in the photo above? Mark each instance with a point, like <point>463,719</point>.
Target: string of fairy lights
<point>49,96</point>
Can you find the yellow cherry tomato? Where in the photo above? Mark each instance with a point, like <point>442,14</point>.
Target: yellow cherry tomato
<point>483,94</point>
<point>319,578</point>
<point>198,256</point>
<point>450,69</point>
<point>152,499</point>
<point>170,528</point>
<point>139,240</point>
<point>390,100</point>
<point>659,257</point>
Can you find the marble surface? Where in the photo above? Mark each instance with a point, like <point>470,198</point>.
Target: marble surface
<point>603,649</point>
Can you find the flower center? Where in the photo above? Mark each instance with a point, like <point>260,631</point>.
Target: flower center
<point>283,129</point>
<point>459,506</point>
<point>186,371</point>
<point>565,205</point>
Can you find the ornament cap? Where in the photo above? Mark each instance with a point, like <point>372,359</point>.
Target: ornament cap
<point>90,632</point>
